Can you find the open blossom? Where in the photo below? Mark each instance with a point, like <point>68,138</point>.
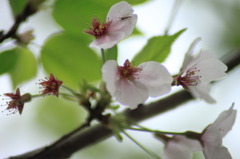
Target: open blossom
<point>131,85</point>
<point>213,134</point>
<point>17,101</point>
<point>51,85</point>
<point>198,71</point>
<point>119,25</point>
<point>209,141</point>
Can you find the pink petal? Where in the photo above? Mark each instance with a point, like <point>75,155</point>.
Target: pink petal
<point>109,75</point>
<point>202,91</point>
<point>180,147</point>
<point>156,78</point>
<point>225,121</point>
<point>130,93</point>
<point>188,56</point>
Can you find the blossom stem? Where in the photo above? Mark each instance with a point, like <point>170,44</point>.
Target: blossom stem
<point>36,95</point>
<point>141,146</point>
<point>174,11</point>
<point>156,131</point>
<point>69,89</point>
<point>103,55</point>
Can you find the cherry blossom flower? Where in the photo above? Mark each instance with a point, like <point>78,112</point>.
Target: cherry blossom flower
<point>131,85</point>
<point>213,134</point>
<point>198,71</point>
<point>51,85</point>
<point>209,141</point>
<point>17,101</point>
<point>120,24</point>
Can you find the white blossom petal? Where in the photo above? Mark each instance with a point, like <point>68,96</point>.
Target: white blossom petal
<point>225,121</point>
<point>180,147</point>
<point>131,93</point>
<point>156,78</point>
<point>211,152</point>
<point>202,92</point>
<point>109,75</point>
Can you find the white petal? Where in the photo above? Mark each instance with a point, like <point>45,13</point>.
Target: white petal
<point>109,75</point>
<point>122,18</point>
<point>202,91</point>
<point>211,69</point>
<point>180,147</point>
<point>212,137</point>
<point>216,153</point>
<point>130,93</point>
<point>188,56</point>
<point>155,77</point>
<point>225,121</point>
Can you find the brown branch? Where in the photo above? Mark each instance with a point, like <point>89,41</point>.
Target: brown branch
<point>30,8</point>
<point>98,133</point>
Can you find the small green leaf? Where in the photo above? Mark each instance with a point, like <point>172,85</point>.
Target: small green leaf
<point>25,68</point>
<point>111,54</point>
<point>70,59</point>
<point>8,60</point>
<point>17,6</point>
<point>157,48</point>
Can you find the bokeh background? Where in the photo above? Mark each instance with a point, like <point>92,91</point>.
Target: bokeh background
<point>46,119</point>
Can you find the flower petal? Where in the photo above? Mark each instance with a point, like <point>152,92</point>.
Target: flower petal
<point>216,153</point>
<point>180,147</point>
<point>109,75</point>
<point>122,18</point>
<point>202,91</point>
<point>130,93</point>
<point>225,121</point>
<point>155,77</point>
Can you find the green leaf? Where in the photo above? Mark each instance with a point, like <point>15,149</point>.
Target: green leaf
<point>8,60</point>
<point>25,67</point>
<point>76,15</point>
<point>17,6</point>
<point>157,48</point>
<point>70,59</point>
<point>59,116</point>
<point>111,54</point>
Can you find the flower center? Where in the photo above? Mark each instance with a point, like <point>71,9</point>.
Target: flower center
<point>127,71</point>
<point>190,78</point>
<point>97,29</point>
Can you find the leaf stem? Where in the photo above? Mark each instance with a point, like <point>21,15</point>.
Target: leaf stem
<point>141,146</point>
<point>103,55</point>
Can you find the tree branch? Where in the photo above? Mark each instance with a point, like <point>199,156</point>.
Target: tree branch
<point>98,133</point>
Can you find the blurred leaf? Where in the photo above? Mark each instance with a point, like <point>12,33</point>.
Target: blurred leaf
<point>111,54</point>
<point>8,60</point>
<point>17,6</point>
<point>157,48</point>
<point>59,116</point>
<point>76,15</point>
<point>136,31</point>
<point>70,59</point>
<point>25,68</point>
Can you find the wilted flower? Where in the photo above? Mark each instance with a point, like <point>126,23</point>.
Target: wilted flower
<point>209,141</point>
<point>51,85</point>
<point>133,85</point>
<point>120,24</point>
<point>17,101</point>
<point>198,71</point>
